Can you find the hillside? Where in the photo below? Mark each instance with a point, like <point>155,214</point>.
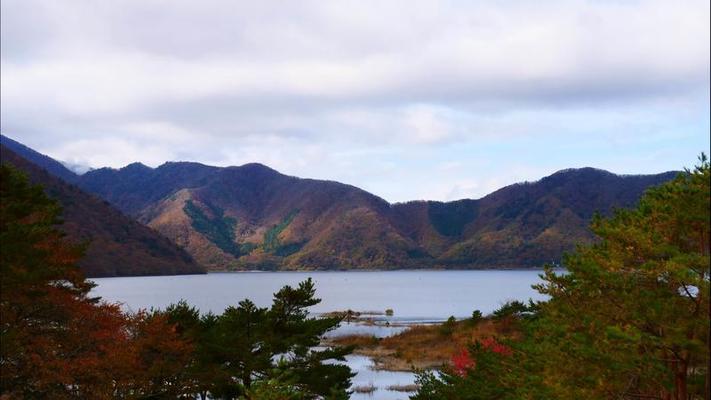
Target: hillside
<point>118,245</point>
<point>526,224</point>
<point>254,217</point>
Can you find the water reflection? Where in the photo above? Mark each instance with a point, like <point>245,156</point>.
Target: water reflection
<point>380,381</point>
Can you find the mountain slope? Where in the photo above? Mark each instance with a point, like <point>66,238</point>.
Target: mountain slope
<point>254,217</point>
<point>533,223</point>
<point>118,245</point>
<point>53,166</point>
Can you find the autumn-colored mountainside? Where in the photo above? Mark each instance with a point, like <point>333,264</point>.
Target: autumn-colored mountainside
<point>118,245</point>
<point>525,224</point>
<point>254,217</point>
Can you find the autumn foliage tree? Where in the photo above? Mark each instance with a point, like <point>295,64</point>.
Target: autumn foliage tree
<point>55,340</point>
<point>42,296</point>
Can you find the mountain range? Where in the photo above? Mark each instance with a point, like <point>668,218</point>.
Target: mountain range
<point>253,217</point>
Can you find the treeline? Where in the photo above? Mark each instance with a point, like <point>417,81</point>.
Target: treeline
<point>628,320</point>
<point>58,342</point>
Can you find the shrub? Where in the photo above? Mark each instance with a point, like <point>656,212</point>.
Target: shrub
<point>476,317</point>
<point>447,328</point>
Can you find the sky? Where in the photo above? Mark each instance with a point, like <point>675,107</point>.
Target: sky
<point>406,99</point>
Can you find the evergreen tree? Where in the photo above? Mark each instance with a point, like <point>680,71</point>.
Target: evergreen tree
<point>248,349</point>
<point>629,319</point>
<point>631,316</point>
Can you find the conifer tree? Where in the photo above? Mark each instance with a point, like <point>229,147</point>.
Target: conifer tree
<point>628,319</point>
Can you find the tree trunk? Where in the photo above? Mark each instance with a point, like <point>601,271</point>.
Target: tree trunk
<point>247,379</point>
<point>680,390</point>
<point>707,391</point>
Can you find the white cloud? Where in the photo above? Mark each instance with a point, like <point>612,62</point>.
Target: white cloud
<point>110,152</point>
<point>323,88</point>
<point>425,125</point>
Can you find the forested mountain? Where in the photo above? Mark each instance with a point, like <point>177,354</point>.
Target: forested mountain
<point>254,217</point>
<point>525,224</point>
<point>118,245</point>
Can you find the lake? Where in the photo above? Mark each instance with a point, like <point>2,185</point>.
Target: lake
<point>414,296</point>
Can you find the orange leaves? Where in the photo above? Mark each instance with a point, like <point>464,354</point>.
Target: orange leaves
<point>55,341</point>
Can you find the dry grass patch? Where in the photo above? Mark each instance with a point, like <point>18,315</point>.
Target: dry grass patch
<point>427,346</point>
<point>359,341</point>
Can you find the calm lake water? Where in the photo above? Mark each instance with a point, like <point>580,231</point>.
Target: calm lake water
<point>414,296</point>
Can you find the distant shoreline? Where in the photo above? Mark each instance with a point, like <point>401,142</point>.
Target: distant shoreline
<point>390,270</point>
<point>334,271</point>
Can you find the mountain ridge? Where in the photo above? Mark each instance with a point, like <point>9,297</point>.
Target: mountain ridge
<point>254,217</point>
<point>329,225</point>
<point>53,166</point>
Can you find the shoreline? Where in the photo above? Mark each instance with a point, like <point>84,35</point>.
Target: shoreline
<point>359,270</point>
<point>381,270</point>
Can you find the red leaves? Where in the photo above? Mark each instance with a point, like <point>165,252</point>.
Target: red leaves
<point>464,361</point>
<point>495,347</point>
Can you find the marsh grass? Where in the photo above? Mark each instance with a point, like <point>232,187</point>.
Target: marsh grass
<point>369,388</point>
<point>403,388</point>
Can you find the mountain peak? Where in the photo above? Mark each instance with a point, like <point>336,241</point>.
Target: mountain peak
<point>136,166</point>
<point>181,163</point>
<point>257,167</point>
<point>254,170</point>
<point>582,170</point>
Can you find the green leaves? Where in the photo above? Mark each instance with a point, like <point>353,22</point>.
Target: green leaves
<point>272,244</point>
<point>219,229</point>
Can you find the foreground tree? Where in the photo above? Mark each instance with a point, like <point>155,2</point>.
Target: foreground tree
<point>628,320</point>
<point>250,351</point>
<point>633,311</point>
<point>56,341</point>
<point>49,328</point>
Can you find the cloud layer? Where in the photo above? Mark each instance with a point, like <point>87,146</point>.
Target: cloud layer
<point>436,100</point>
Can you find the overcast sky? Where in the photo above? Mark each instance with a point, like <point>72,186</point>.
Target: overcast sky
<point>408,100</point>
